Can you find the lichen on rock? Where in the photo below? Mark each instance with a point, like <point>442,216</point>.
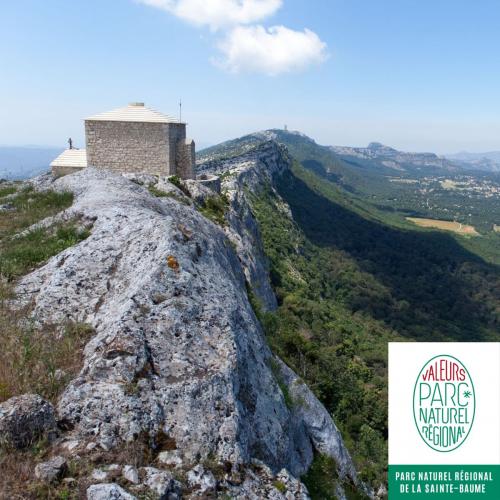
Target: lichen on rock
<point>26,419</point>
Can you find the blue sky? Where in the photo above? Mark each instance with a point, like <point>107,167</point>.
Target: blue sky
<point>417,75</point>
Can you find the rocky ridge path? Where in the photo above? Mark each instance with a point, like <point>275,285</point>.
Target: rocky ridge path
<point>179,355</point>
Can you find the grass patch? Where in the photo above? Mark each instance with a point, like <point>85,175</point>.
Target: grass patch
<point>30,207</point>
<point>444,225</point>
<point>214,208</point>
<point>7,190</point>
<point>17,469</point>
<point>158,193</point>
<point>37,360</point>
<point>17,478</point>
<point>20,254</point>
<point>33,359</point>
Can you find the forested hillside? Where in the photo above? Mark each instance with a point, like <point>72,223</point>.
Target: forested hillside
<point>350,277</point>
<point>405,184</point>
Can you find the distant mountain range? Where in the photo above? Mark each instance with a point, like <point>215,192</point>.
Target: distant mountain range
<point>385,157</point>
<point>370,169</point>
<point>489,162</point>
<point>381,179</point>
<point>22,162</point>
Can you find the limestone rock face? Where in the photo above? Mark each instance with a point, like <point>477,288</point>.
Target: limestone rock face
<point>249,175</point>
<point>50,470</point>
<point>25,419</point>
<point>202,480</point>
<point>178,349</point>
<point>320,427</point>
<point>110,491</point>
<point>162,483</point>
<point>131,474</point>
<point>261,482</point>
<point>199,191</point>
<point>179,355</point>
<point>242,177</point>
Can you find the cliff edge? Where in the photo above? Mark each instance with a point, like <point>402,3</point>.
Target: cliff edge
<point>178,362</point>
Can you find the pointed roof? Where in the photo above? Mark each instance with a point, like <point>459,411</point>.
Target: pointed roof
<point>71,158</point>
<point>134,112</point>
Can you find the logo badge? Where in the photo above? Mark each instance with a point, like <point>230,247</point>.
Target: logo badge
<point>444,403</point>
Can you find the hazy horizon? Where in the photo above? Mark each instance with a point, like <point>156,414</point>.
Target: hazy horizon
<point>80,144</point>
<point>419,77</point>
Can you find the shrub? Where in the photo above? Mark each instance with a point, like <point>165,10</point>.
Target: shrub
<point>164,194</point>
<point>280,486</point>
<point>281,384</point>
<point>322,481</point>
<point>321,478</point>
<point>157,192</point>
<point>177,181</point>
<point>214,208</point>
<point>39,360</point>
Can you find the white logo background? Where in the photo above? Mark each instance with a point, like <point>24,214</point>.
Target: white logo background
<point>482,360</point>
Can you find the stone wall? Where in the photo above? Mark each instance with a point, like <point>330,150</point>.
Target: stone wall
<point>212,182</point>
<point>177,134</point>
<point>186,159</point>
<point>131,146</point>
<point>60,171</point>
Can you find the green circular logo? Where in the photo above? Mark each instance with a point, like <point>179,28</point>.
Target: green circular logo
<point>444,403</point>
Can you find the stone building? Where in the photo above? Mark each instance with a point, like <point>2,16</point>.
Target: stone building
<point>69,161</point>
<point>133,139</point>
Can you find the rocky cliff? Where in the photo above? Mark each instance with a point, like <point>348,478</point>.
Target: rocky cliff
<point>179,360</point>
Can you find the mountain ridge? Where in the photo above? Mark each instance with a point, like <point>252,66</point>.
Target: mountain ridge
<point>239,324</point>
<point>489,162</point>
<point>178,357</point>
<point>344,266</point>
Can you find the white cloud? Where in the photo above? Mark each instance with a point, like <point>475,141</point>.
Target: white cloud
<point>218,13</point>
<point>271,51</point>
<point>254,48</point>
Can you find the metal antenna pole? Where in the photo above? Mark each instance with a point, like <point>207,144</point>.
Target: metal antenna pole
<point>180,111</point>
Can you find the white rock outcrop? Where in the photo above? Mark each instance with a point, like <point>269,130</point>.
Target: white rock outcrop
<point>110,491</point>
<point>178,353</point>
<point>50,470</point>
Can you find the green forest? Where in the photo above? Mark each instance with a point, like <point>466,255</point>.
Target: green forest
<point>409,190</point>
<point>347,283</point>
